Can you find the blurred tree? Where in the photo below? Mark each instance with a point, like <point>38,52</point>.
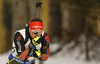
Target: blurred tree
<point>72,24</point>
<point>44,14</point>
<point>89,17</point>
<point>8,22</point>
<point>2,27</point>
<point>5,25</point>
<point>98,24</point>
<point>55,20</point>
<point>20,16</point>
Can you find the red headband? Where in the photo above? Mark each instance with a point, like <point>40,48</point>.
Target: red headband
<point>35,25</point>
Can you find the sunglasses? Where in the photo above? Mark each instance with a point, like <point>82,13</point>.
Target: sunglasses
<point>35,32</point>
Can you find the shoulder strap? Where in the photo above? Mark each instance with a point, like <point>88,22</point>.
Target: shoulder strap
<point>26,33</point>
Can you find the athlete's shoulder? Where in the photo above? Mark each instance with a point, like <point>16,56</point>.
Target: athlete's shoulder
<point>46,37</point>
<point>20,32</point>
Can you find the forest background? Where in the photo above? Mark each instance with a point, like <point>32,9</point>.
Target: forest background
<point>64,20</point>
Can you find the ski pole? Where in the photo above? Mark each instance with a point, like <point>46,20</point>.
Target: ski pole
<point>12,60</point>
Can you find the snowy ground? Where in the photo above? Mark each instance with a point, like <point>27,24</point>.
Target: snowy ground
<point>63,57</point>
<point>68,58</point>
<point>59,58</point>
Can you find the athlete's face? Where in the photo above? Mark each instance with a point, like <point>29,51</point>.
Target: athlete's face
<point>35,32</point>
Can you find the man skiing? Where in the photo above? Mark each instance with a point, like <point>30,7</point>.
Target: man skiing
<point>30,43</point>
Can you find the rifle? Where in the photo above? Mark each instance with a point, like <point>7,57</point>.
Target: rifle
<point>38,4</point>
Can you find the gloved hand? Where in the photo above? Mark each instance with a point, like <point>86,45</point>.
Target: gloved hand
<point>37,53</point>
<point>36,46</point>
<point>37,42</point>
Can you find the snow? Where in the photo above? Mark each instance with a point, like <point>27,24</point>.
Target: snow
<point>4,58</point>
<point>67,60</point>
<point>64,56</point>
<point>60,58</point>
<point>54,47</point>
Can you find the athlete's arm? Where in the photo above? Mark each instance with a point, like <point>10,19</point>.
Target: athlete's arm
<point>20,48</point>
<point>45,47</point>
<point>19,43</point>
<point>44,50</point>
